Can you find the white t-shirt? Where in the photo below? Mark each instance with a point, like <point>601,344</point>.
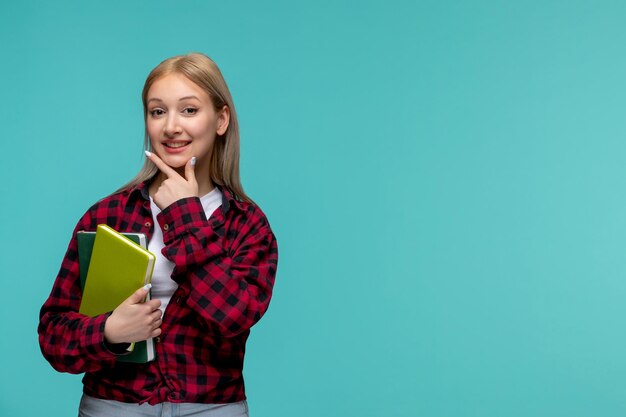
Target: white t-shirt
<point>163,286</point>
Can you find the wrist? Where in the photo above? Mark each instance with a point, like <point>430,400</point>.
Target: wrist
<point>109,332</point>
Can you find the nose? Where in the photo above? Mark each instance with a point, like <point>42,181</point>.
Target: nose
<point>171,127</point>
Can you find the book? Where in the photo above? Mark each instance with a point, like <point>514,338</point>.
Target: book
<point>112,266</point>
<point>85,248</point>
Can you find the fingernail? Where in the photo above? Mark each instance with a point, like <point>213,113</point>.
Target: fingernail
<point>147,286</point>
<point>148,154</point>
<point>193,160</point>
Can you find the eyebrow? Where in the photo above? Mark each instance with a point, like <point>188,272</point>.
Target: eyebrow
<point>180,99</point>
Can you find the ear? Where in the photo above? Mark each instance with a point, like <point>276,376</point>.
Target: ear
<point>223,119</point>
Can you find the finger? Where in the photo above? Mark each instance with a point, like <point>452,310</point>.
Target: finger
<point>140,295</point>
<point>190,170</point>
<point>166,169</point>
<point>153,305</point>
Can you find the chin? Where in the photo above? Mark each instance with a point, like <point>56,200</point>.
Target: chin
<point>176,162</point>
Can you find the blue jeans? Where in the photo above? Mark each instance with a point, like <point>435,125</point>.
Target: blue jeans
<point>95,407</point>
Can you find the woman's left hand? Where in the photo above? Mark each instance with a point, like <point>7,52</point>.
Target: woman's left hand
<point>175,186</point>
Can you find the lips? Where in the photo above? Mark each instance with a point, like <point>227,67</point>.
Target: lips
<point>175,146</point>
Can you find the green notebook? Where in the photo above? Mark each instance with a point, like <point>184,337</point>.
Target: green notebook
<point>112,267</point>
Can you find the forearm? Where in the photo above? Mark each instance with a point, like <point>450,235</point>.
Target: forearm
<point>73,342</point>
<point>70,341</point>
<point>227,270</point>
<point>229,299</point>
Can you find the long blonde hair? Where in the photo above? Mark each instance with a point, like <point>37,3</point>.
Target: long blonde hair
<point>202,71</point>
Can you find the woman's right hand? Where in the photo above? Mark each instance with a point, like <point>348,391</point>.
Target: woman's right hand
<point>134,320</point>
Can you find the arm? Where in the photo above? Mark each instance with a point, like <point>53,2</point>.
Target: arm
<point>226,266</point>
<point>70,341</point>
<point>76,343</point>
<point>229,287</point>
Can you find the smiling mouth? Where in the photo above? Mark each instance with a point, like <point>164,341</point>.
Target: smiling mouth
<point>175,145</point>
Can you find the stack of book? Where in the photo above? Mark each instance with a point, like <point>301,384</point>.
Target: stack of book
<point>112,267</point>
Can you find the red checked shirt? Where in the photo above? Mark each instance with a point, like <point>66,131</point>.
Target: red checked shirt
<point>224,267</point>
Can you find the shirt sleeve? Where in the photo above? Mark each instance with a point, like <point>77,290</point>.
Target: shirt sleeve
<point>70,341</point>
<point>230,273</point>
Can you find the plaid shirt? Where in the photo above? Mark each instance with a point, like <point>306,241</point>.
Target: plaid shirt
<point>224,267</point>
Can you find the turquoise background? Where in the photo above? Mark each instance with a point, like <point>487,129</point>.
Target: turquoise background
<point>445,178</point>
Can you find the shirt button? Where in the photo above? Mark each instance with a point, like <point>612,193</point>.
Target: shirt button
<point>148,224</point>
<point>157,339</point>
<point>166,227</point>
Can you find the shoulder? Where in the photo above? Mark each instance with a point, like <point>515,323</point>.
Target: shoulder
<point>246,211</point>
<point>112,207</point>
<point>245,219</point>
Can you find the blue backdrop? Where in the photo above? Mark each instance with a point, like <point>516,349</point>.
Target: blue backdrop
<point>445,178</point>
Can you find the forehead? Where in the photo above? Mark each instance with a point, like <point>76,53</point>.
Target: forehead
<point>175,86</point>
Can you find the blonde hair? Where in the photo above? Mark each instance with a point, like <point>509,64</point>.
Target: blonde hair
<point>202,71</point>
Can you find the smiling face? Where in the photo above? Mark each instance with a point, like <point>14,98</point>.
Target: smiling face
<point>182,122</point>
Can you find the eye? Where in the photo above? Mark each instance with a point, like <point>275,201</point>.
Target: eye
<point>190,110</point>
<point>156,112</point>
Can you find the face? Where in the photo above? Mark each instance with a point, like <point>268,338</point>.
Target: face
<point>182,122</point>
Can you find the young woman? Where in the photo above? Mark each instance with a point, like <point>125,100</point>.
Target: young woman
<point>215,268</point>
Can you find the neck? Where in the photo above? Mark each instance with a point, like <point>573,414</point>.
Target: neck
<point>205,187</point>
